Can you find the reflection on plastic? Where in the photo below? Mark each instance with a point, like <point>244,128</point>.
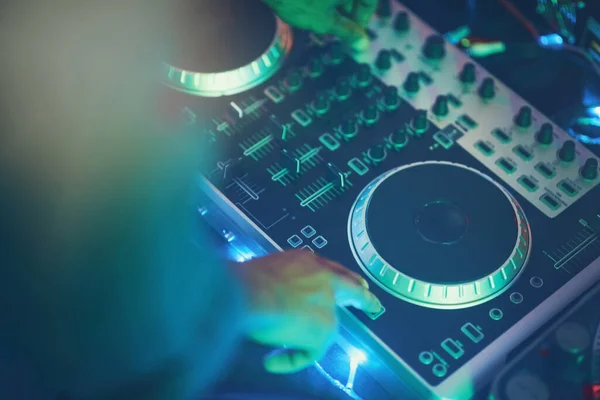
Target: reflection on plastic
<point>357,357</point>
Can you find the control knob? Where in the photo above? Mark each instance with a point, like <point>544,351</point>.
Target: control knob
<point>589,170</point>
<point>545,135</point>
<point>398,139</point>
<point>440,107</point>
<point>573,340</point>
<point>384,60</point>
<point>401,22</point>
<point>411,83</point>
<point>390,98</point>
<point>370,114</point>
<point>434,47</point>
<point>487,89</point>
<point>349,128</point>
<point>377,153</point>
<point>336,54</point>
<point>343,89</point>
<point>293,80</point>
<point>363,75</point>
<point>468,73</point>
<point>420,122</point>
<point>315,67</point>
<point>384,9</point>
<point>321,104</point>
<point>567,151</point>
<point>523,117</point>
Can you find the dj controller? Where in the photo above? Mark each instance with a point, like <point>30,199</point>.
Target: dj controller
<point>475,218</point>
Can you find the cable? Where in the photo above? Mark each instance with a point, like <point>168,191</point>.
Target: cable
<point>510,7</point>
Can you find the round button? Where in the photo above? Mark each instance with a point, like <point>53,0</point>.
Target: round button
<point>440,107</point>
<point>363,75</point>
<point>399,138</point>
<point>573,338</point>
<point>496,314</point>
<point>487,89</point>
<point>567,151</point>
<point>315,67</point>
<point>468,73</point>
<point>384,60</point>
<point>523,117</point>
<point>434,47</point>
<point>525,386</point>
<point>536,282</point>
<point>516,297</point>
<point>439,370</point>
<point>426,358</point>
<point>401,22</point>
<point>545,135</point>
<point>343,90</point>
<point>391,101</point>
<point>589,170</point>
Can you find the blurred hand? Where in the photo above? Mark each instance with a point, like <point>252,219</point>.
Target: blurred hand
<point>293,299</point>
<point>345,19</point>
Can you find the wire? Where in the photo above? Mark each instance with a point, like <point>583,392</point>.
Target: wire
<point>510,7</point>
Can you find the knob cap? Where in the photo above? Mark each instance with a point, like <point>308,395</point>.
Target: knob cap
<point>567,151</point>
<point>589,170</point>
<point>419,122</point>
<point>293,80</point>
<point>363,75</point>
<point>468,73</point>
<point>371,114</point>
<point>390,98</point>
<point>315,67</point>
<point>411,83</point>
<point>336,54</point>
<point>545,135</point>
<point>384,60</point>
<point>399,138</point>
<point>349,128</point>
<point>377,153</point>
<point>343,89</point>
<point>523,117</point>
<point>384,9</point>
<point>401,22</point>
<point>434,47</point>
<point>487,89</point>
<point>440,107</point>
<point>573,341</point>
<point>321,104</point>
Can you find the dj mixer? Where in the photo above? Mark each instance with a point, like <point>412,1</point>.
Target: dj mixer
<point>475,218</point>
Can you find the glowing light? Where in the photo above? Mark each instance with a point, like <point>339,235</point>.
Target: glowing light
<point>357,357</point>
<point>595,111</point>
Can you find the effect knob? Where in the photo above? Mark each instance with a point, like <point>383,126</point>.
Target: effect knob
<point>336,54</point>
<point>523,117</point>
<point>343,90</point>
<point>398,139</point>
<point>384,9</point>
<point>321,104</point>
<point>315,67</point>
<point>545,135</point>
<point>371,114</point>
<point>349,128</point>
<point>440,107</point>
<point>363,75</point>
<point>402,22</point>
<point>390,98</point>
<point>589,170</point>
<point>468,73</point>
<point>434,47</point>
<point>420,122</point>
<point>384,60</point>
<point>293,80</point>
<point>377,153</point>
<point>411,83</point>
<point>487,89</point>
<point>567,151</point>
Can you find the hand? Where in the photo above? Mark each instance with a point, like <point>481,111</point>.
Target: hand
<point>293,299</point>
<point>327,17</point>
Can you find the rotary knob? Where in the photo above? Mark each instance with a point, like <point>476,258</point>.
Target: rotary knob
<point>420,122</point>
<point>589,170</point>
<point>434,47</point>
<point>349,128</point>
<point>384,60</point>
<point>343,90</point>
<point>390,98</point>
<point>384,9</point>
<point>370,114</point>
<point>363,75</point>
<point>401,22</point>
<point>293,80</point>
<point>487,89</point>
<point>567,151</point>
<point>468,73</point>
<point>321,104</point>
<point>573,340</point>
<point>336,54</point>
<point>377,153</point>
<point>523,117</point>
<point>545,135</point>
<point>411,83</point>
<point>315,67</point>
<point>399,138</point>
<point>440,107</point>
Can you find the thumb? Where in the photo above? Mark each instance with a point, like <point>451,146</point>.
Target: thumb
<point>287,361</point>
<point>347,30</point>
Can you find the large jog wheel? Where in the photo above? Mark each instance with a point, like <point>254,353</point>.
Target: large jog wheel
<point>439,235</point>
<point>224,47</point>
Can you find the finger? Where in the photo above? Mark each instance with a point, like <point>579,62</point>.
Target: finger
<point>340,270</point>
<point>348,293</point>
<point>363,11</point>
<point>287,361</point>
<point>347,30</point>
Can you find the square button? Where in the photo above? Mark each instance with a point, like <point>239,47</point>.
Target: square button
<point>377,314</point>
<point>308,231</point>
<point>295,241</point>
<point>320,242</point>
<point>307,247</point>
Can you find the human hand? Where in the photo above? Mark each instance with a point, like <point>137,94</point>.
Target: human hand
<point>329,17</point>
<point>293,298</point>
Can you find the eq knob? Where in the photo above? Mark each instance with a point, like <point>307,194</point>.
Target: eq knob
<point>589,170</point>
<point>370,114</point>
<point>419,122</point>
<point>336,54</point>
<point>398,139</point>
<point>411,83</point>
<point>315,67</point>
<point>545,135</point>
<point>363,75</point>
<point>349,128</point>
<point>434,47</point>
<point>293,80</point>
<point>401,22</point>
<point>321,104</point>
<point>343,90</point>
<point>468,73</point>
<point>440,107</point>
<point>391,101</point>
<point>377,153</point>
<point>567,151</point>
<point>487,89</point>
<point>523,117</point>
<point>384,60</point>
<point>384,9</point>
